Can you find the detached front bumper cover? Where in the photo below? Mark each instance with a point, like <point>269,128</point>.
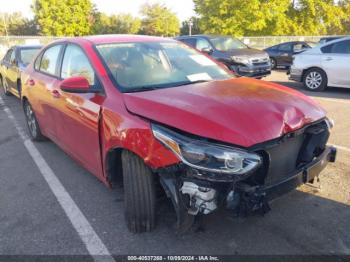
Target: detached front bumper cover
<point>241,197</point>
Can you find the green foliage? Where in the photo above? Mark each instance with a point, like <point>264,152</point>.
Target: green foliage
<point>195,26</point>
<point>16,24</point>
<point>272,17</point>
<point>159,20</point>
<point>63,17</point>
<point>115,24</point>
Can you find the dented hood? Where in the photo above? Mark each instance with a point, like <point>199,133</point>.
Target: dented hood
<point>239,111</point>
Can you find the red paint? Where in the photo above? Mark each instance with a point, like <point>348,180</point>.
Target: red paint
<point>75,83</point>
<point>87,126</point>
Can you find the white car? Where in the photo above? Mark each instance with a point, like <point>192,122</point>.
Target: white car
<point>324,65</point>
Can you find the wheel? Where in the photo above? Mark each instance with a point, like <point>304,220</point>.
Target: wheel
<point>6,87</point>
<point>315,79</point>
<point>273,63</point>
<point>139,194</point>
<point>19,88</point>
<point>32,123</point>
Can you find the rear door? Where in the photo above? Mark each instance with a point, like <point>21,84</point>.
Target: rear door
<point>285,53</point>
<point>5,63</point>
<point>336,62</point>
<point>41,86</point>
<point>77,115</point>
<point>12,74</point>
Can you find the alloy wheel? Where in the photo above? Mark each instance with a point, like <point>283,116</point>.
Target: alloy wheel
<point>313,80</point>
<point>31,120</point>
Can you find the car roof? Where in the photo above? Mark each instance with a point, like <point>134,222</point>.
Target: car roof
<point>336,40</point>
<point>26,46</point>
<point>105,39</point>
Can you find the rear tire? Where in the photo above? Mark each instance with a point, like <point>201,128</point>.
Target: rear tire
<point>139,194</point>
<point>5,87</point>
<point>315,79</point>
<point>32,123</point>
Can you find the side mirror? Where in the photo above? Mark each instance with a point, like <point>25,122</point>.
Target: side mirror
<point>14,62</point>
<point>76,84</point>
<point>207,50</point>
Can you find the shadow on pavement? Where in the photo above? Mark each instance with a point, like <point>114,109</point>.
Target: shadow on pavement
<point>299,223</point>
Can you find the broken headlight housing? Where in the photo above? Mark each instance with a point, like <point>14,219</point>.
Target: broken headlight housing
<point>203,155</point>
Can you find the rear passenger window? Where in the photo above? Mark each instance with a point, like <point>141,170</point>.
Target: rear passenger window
<point>342,47</point>
<point>49,60</point>
<point>75,63</point>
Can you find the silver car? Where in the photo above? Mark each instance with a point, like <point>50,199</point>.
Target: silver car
<point>324,65</point>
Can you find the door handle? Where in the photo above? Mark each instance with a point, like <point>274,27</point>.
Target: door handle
<point>55,94</point>
<point>329,59</point>
<point>30,82</point>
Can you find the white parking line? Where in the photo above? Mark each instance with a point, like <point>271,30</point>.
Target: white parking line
<point>343,148</point>
<point>93,243</point>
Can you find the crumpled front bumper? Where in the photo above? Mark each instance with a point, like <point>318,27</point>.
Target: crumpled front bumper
<point>304,175</point>
<point>239,196</point>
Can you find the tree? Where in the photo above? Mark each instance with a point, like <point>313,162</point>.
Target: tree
<point>242,17</point>
<point>159,20</point>
<point>272,17</point>
<point>63,17</point>
<point>195,26</point>
<point>115,24</point>
<point>316,17</point>
<point>16,24</point>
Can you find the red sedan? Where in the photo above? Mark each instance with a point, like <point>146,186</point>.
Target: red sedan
<point>154,113</point>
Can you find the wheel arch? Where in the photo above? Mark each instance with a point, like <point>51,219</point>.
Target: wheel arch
<point>313,67</point>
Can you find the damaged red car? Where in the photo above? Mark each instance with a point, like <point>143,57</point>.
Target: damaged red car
<point>152,113</point>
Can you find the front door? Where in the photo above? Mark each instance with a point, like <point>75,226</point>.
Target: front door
<point>77,115</point>
<point>336,62</point>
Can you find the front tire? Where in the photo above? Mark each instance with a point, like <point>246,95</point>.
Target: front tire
<point>273,63</point>
<point>139,194</point>
<point>32,123</point>
<point>315,79</point>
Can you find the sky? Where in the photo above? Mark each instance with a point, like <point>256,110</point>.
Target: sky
<point>183,8</point>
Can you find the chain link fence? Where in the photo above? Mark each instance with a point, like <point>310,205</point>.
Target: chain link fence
<point>260,42</point>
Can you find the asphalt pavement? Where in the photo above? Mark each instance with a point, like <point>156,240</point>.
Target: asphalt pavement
<point>34,221</point>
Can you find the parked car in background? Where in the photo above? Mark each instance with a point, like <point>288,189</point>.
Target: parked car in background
<point>324,65</point>
<point>151,112</point>
<point>282,54</point>
<point>237,56</point>
<point>12,66</point>
<point>327,39</point>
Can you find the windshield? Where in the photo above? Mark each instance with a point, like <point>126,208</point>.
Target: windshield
<point>151,65</point>
<point>27,55</point>
<point>227,43</point>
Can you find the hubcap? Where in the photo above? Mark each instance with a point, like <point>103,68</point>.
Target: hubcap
<point>31,120</point>
<point>313,80</point>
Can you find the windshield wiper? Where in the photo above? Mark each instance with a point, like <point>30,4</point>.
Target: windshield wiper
<point>191,82</point>
<point>141,89</point>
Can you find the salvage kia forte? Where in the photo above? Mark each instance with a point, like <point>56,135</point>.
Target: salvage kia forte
<point>152,113</point>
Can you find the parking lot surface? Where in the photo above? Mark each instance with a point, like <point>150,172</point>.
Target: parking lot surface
<point>310,220</point>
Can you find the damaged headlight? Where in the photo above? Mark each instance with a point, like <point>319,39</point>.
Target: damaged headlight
<point>330,123</point>
<point>207,156</point>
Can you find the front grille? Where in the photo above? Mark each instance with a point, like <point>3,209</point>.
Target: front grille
<point>260,61</point>
<point>294,151</point>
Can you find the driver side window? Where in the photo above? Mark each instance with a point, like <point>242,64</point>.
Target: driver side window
<point>202,43</point>
<point>75,63</point>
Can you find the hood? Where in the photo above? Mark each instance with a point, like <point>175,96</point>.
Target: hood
<point>246,52</point>
<point>240,111</point>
